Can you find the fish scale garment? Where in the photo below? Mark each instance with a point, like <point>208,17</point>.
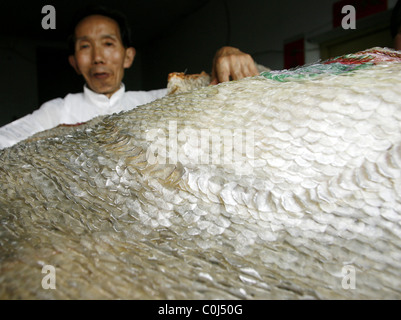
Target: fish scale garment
<point>263,188</point>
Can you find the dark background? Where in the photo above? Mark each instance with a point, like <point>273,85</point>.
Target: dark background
<point>175,35</point>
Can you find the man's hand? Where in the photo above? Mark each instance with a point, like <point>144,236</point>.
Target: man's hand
<point>231,62</point>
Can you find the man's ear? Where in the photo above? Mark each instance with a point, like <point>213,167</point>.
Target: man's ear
<point>129,57</point>
<point>73,63</point>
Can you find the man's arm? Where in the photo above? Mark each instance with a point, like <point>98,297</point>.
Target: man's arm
<point>230,62</point>
<point>39,120</point>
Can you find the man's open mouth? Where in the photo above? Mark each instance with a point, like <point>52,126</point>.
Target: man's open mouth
<point>101,75</point>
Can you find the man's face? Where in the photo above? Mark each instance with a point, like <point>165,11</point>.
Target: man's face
<point>100,55</point>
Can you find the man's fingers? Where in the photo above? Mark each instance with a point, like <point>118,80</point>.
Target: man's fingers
<point>224,72</point>
<point>222,69</point>
<point>237,74</point>
<point>223,76</point>
<point>213,82</point>
<point>254,70</point>
<point>247,67</point>
<point>231,62</point>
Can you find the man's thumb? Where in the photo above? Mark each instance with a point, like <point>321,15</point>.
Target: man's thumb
<point>213,82</point>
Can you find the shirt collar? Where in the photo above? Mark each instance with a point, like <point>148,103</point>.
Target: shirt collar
<point>101,100</point>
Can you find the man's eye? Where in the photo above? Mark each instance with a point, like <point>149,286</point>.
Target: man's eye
<point>83,46</point>
<point>109,44</point>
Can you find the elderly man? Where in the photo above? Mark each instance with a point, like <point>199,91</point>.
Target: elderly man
<point>101,51</point>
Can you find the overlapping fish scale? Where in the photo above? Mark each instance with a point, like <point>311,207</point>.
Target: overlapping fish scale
<point>323,193</point>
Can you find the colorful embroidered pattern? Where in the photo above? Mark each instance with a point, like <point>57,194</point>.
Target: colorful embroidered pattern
<point>339,65</point>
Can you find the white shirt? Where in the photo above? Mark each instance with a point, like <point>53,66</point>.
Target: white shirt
<point>74,108</point>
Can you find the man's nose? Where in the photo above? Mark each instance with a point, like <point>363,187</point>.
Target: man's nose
<point>98,56</point>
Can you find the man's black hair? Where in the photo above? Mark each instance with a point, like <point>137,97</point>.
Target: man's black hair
<point>396,20</point>
<point>117,16</point>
